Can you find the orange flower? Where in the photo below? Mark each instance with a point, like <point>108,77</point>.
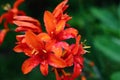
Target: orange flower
<point>77,52</point>
<point>8,16</point>
<point>50,48</point>
<point>38,47</point>
<point>73,58</point>
<point>56,29</point>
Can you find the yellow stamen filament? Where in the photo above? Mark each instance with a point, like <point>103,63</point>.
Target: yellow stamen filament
<point>87,51</point>
<point>86,47</point>
<point>44,51</point>
<point>34,52</point>
<point>64,52</point>
<point>66,74</point>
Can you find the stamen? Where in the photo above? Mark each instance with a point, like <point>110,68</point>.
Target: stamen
<point>35,52</point>
<point>64,52</point>
<point>66,74</point>
<point>85,47</point>
<point>87,51</point>
<point>44,51</point>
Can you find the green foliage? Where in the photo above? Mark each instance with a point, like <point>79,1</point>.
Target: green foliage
<point>109,46</point>
<point>115,76</point>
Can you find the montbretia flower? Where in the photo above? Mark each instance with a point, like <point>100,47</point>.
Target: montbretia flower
<point>38,48</point>
<point>77,51</point>
<point>8,16</point>
<point>73,58</point>
<point>50,48</point>
<point>57,29</point>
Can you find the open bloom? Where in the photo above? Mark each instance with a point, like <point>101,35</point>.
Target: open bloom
<point>73,58</point>
<point>54,30</point>
<point>77,51</point>
<point>38,48</point>
<point>57,29</point>
<point>8,16</point>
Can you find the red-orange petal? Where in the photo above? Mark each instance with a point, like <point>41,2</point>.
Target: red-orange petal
<point>60,8</point>
<point>49,21</point>
<point>78,39</point>
<point>68,33</point>
<point>24,29</point>
<point>69,60</point>
<point>27,18</point>
<point>60,26</point>
<point>57,75</point>
<point>20,37</point>
<point>18,48</point>
<point>29,64</point>
<point>28,51</point>
<point>49,45</point>
<point>32,41</point>
<point>56,61</point>
<point>17,3</point>
<point>64,45</point>
<point>57,50</point>
<point>2,35</point>
<point>3,16</point>
<point>81,50</point>
<point>26,24</point>
<point>43,37</point>
<point>77,70</point>
<point>66,17</point>
<point>75,49</point>
<point>79,60</point>
<point>44,68</point>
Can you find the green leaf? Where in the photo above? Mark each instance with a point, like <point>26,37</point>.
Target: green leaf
<point>110,47</point>
<point>106,17</point>
<point>119,11</point>
<point>115,76</point>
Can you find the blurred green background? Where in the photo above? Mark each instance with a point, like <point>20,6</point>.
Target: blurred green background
<point>98,22</point>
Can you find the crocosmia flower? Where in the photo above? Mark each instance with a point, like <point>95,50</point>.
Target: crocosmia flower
<point>50,48</point>
<point>56,29</point>
<point>39,51</point>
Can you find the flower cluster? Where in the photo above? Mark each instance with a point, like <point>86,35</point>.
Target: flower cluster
<point>50,48</point>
